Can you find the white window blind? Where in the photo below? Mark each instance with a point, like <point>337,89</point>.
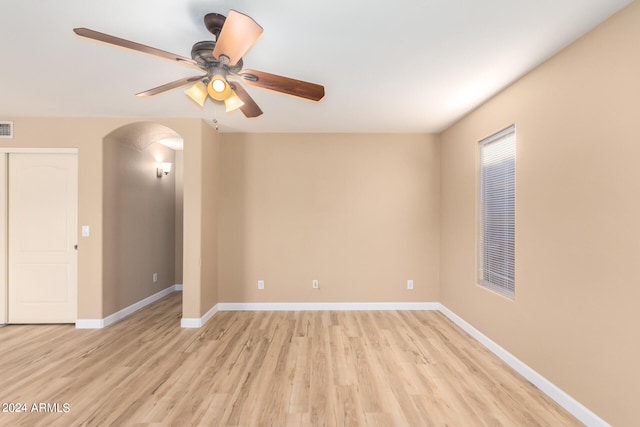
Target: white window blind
<point>497,212</point>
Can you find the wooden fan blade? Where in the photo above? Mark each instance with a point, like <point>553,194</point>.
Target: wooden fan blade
<point>168,86</point>
<point>127,44</point>
<point>250,108</point>
<point>282,84</point>
<point>238,34</point>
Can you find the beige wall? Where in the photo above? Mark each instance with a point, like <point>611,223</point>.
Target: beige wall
<point>139,223</point>
<point>210,208</point>
<point>359,213</point>
<point>200,261</point>
<point>575,316</point>
<point>179,177</point>
<point>364,213</point>
<point>87,136</point>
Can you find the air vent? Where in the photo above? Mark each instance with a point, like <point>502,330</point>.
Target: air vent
<point>6,129</point>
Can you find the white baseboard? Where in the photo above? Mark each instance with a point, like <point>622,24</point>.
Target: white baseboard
<point>326,306</point>
<point>119,315</point>
<point>198,322</point>
<point>89,323</point>
<point>574,407</point>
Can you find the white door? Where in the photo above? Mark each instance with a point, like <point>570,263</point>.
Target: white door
<point>42,234</point>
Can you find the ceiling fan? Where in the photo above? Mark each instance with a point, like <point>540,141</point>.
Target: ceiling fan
<point>221,60</point>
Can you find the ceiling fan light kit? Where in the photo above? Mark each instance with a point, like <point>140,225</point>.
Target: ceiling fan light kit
<point>221,60</point>
<point>198,93</point>
<point>233,102</point>
<point>218,88</point>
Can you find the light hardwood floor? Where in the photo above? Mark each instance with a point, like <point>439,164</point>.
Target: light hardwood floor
<point>390,368</point>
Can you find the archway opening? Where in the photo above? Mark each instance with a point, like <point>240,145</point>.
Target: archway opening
<point>142,223</point>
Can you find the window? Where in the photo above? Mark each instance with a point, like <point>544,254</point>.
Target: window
<point>497,212</point>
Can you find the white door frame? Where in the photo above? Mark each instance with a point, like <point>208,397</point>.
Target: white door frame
<point>4,152</point>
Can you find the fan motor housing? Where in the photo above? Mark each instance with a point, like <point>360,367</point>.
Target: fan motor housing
<point>202,53</point>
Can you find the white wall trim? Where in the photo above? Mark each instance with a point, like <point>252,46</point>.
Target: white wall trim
<point>574,407</point>
<point>582,413</point>
<point>89,323</point>
<point>326,306</point>
<point>187,322</point>
<point>119,315</point>
<point>198,322</point>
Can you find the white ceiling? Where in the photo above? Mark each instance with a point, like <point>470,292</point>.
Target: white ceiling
<point>401,66</point>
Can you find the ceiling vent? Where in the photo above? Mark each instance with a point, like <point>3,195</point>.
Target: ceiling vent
<point>6,129</point>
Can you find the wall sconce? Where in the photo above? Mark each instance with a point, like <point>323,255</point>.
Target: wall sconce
<point>163,169</point>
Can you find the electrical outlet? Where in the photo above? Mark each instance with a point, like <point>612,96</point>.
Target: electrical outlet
<point>261,284</point>
<point>315,284</point>
<point>155,277</point>
<point>409,284</point>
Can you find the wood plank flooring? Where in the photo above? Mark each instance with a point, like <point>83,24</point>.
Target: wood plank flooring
<point>390,368</point>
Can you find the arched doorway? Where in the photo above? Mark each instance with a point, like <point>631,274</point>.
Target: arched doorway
<point>142,224</point>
